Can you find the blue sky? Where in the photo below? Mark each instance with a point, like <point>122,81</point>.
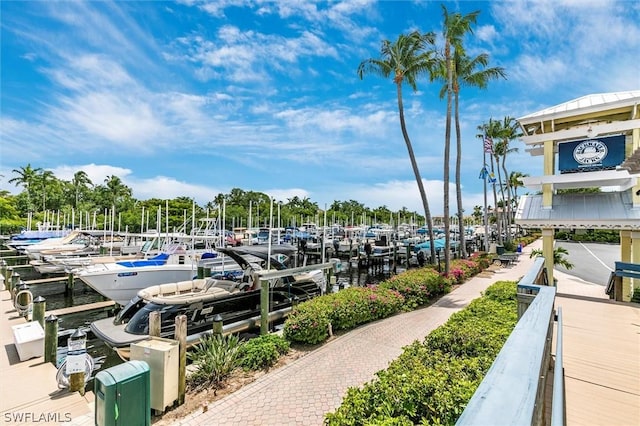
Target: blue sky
<point>193,98</point>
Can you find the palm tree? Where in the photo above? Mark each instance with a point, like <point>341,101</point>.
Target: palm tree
<point>44,178</point>
<point>456,26</point>
<point>116,189</point>
<point>80,182</point>
<point>466,73</point>
<point>27,177</point>
<point>509,130</point>
<point>515,182</point>
<point>558,256</point>
<point>409,57</point>
<point>489,132</point>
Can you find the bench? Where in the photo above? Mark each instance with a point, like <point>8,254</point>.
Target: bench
<point>622,269</point>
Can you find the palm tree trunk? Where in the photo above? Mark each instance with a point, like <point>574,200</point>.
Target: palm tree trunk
<point>463,249</point>
<point>508,185</point>
<point>416,172</point>
<point>447,149</point>
<point>495,205</point>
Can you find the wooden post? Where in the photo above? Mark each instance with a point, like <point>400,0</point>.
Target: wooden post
<point>217,325</point>
<point>15,280</point>
<point>39,304</point>
<point>181,337</point>
<point>51,340</point>
<point>154,323</point>
<point>207,272</point>
<point>68,291</point>
<point>3,270</point>
<point>408,255</point>
<point>76,358</point>
<point>264,307</point>
<point>200,272</point>
<point>8,271</point>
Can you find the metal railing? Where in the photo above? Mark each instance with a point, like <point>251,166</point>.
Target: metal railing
<point>513,390</point>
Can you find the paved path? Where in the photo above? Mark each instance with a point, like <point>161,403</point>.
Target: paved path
<point>302,392</point>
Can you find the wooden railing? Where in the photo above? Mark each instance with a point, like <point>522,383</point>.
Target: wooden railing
<point>513,391</point>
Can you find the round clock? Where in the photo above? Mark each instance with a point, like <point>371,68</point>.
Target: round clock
<point>590,152</point>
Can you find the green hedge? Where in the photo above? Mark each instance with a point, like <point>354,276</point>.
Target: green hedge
<point>431,382</point>
<point>309,322</point>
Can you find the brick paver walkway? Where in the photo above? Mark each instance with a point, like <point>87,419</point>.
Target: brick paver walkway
<point>302,392</point>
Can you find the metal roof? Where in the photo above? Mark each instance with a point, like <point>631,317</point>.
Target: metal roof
<point>585,104</point>
<point>604,210</point>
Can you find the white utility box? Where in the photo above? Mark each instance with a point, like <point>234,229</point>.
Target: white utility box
<point>162,356</point>
<point>29,340</point>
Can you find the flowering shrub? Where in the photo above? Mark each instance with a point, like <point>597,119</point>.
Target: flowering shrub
<point>417,286</point>
<point>309,321</point>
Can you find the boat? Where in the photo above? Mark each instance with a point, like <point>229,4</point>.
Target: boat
<point>201,300</point>
<point>122,280</point>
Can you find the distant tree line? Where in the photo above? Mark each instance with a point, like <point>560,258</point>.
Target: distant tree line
<point>44,196</point>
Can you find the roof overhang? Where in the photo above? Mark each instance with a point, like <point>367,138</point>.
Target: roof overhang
<point>617,180</point>
<point>604,210</point>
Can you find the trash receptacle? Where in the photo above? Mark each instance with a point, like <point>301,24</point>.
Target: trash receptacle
<point>499,249</point>
<point>519,249</point>
<point>123,395</point>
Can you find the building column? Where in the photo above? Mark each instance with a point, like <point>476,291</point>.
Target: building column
<point>549,169</point>
<point>625,256</point>
<point>635,144</point>
<point>635,258</point>
<point>547,252</point>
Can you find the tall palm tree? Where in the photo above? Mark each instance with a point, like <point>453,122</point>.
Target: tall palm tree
<point>80,182</point>
<point>27,177</point>
<point>409,57</point>
<point>456,27</point>
<point>116,189</point>
<point>44,178</point>
<point>470,72</point>
<point>491,131</point>
<point>509,130</point>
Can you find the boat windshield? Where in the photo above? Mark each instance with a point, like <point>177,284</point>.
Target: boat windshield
<point>139,322</point>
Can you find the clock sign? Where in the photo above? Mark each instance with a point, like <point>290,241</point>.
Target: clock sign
<point>590,152</point>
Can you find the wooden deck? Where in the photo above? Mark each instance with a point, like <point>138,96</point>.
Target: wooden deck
<point>28,390</point>
<point>601,360</point>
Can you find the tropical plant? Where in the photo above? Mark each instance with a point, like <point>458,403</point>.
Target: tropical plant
<point>559,254</point>
<point>409,57</point>
<point>27,177</point>
<point>456,26</point>
<point>263,351</point>
<point>80,183</point>
<point>214,358</point>
<point>471,72</point>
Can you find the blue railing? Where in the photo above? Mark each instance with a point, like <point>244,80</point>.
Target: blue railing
<point>513,391</point>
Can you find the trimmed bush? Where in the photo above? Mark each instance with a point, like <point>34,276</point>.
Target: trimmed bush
<point>309,321</point>
<point>263,351</point>
<point>431,382</point>
<point>417,286</point>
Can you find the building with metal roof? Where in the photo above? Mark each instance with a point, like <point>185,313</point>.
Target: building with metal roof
<point>589,142</point>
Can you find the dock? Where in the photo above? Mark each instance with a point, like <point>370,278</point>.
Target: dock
<point>29,392</point>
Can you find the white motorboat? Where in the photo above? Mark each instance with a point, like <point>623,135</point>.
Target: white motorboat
<point>122,280</point>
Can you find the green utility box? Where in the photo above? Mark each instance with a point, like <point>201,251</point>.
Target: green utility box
<point>123,395</point>
<point>500,250</point>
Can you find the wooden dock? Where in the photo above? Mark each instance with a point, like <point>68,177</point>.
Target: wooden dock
<point>601,360</point>
<point>28,390</point>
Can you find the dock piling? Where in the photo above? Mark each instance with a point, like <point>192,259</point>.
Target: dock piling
<point>68,291</point>
<point>76,361</point>
<point>51,340</point>
<point>154,323</point>
<point>217,325</point>
<point>39,308</point>
<point>181,337</point>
